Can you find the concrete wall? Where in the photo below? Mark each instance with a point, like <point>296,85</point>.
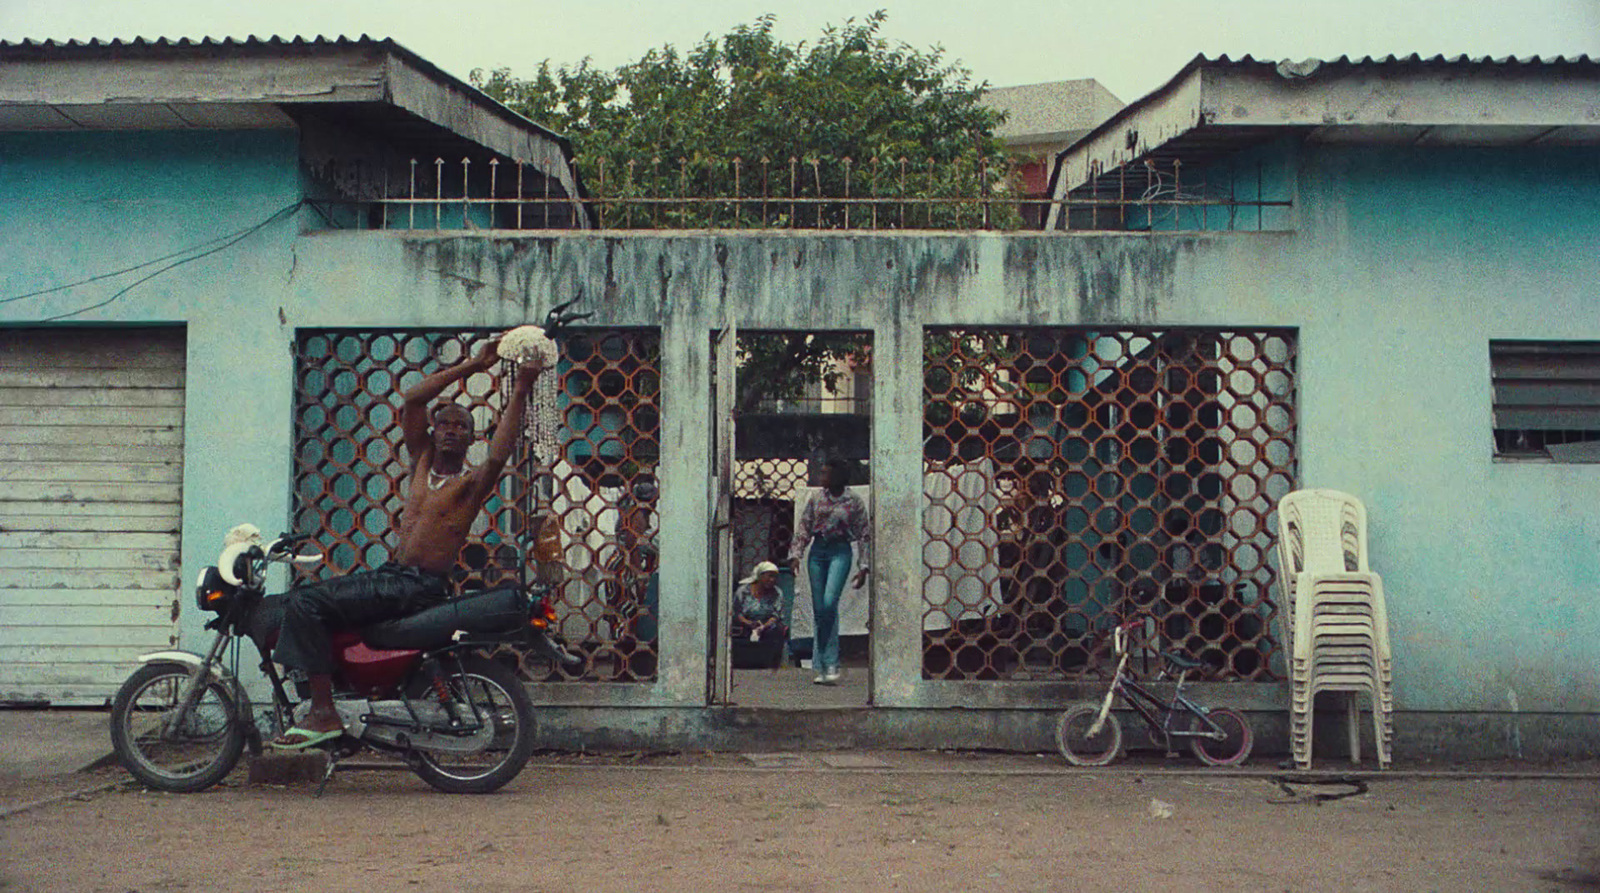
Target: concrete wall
<point>77,205</point>
<point>1403,264</point>
<point>1412,262</point>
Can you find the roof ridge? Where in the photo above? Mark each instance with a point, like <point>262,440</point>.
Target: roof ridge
<point>230,41</point>
<point>1411,59</point>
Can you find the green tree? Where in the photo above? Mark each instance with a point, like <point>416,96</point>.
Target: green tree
<point>788,129</point>
<point>748,115</point>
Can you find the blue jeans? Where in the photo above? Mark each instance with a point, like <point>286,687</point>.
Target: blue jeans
<point>829,566</point>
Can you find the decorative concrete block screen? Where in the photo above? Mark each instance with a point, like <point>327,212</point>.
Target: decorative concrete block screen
<point>586,464</point>
<point>1078,479</point>
<point>763,511</point>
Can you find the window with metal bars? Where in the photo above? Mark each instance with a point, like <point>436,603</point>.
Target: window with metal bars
<point>590,493</point>
<point>1078,479</point>
<point>1546,400</point>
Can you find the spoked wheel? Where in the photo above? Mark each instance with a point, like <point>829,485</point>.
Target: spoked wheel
<point>500,701</point>
<point>181,757</point>
<point>1081,748</point>
<point>1232,749</point>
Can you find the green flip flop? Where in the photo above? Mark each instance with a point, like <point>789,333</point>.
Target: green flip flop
<point>308,738</point>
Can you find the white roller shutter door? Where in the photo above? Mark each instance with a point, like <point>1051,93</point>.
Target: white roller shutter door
<point>91,487</point>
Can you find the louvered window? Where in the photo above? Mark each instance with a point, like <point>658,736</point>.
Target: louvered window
<point>1546,400</point>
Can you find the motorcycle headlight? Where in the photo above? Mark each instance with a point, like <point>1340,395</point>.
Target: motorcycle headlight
<point>211,592</point>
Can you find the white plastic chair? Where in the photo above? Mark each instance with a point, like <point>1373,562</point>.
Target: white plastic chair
<point>1335,617</point>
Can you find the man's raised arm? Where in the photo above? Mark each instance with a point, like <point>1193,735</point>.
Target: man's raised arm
<point>505,430</point>
<point>414,419</point>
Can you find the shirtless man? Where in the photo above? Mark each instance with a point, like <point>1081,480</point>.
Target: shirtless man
<point>443,496</point>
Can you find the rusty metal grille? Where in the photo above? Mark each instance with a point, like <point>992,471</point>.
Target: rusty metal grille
<point>595,481</point>
<point>1082,478</point>
<point>763,509</point>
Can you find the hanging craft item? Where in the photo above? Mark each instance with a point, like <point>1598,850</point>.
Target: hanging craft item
<point>541,428</point>
<point>542,418</point>
<point>523,344</point>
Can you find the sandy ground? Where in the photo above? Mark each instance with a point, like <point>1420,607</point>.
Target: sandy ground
<point>869,822</point>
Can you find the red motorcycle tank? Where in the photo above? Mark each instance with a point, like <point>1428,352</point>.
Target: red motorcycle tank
<point>371,672</point>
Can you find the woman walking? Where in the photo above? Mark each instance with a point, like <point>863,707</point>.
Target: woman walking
<point>831,525</point>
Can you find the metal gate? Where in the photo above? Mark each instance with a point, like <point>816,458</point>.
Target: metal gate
<point>1079,478</point>
<point>593,477</point>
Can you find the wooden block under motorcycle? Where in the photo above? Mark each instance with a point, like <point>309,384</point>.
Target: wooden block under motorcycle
<point>288,768</point>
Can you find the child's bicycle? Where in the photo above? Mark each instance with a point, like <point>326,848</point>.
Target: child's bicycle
<point>1089,734</point>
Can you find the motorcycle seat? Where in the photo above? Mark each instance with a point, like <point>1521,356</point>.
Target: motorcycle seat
<point>481,613</point>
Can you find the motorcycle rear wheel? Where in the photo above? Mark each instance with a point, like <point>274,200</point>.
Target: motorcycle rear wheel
<point>200,752</point>
<point>501,700</point>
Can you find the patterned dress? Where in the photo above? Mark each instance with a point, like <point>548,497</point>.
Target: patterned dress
<point>754,608</point>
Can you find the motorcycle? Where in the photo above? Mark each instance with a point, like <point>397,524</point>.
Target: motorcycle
<point>420,686</point>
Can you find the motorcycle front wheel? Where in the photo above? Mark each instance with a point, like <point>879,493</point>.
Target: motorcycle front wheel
<point>500,700</point>
<point>180,757</point>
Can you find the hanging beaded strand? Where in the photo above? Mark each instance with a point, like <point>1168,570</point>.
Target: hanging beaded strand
<point>541,430</point>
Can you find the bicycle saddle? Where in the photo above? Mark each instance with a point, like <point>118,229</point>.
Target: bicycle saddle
<point>1180,661</point>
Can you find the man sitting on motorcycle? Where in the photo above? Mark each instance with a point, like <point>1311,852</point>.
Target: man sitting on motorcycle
<point>443,496</point>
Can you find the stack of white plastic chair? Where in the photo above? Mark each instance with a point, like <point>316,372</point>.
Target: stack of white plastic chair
<point>1334,617</point>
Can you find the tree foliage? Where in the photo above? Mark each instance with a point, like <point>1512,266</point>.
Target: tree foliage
<point>779,365</point>
<point>748,115</point>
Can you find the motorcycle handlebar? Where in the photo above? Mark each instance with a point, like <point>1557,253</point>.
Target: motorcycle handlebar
<point>287,548</point>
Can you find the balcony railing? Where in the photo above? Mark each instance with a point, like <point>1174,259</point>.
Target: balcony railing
<point>876,194</point>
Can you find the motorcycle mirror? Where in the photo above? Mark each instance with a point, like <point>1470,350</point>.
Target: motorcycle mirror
<point>558,317</point>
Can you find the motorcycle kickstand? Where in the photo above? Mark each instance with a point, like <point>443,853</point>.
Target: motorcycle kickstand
<point>327,773</point>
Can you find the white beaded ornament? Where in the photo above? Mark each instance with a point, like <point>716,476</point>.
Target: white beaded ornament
<point>523,343</point>
<point>542,418</point>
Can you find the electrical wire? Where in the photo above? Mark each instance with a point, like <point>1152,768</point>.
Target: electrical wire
<point>225,241</point>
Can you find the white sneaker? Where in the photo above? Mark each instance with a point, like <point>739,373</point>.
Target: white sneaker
<point>820,679</point>
<point>832,676</point>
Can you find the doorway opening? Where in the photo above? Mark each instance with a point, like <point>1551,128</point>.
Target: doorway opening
<point>801,405</point>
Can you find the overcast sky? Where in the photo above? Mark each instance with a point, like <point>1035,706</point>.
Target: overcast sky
<point>1132,48</point>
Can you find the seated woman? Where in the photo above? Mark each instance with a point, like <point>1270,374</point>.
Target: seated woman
<point>758,631</point>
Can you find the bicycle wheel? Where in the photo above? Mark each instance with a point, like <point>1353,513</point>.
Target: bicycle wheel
<point>1078,746</point>
<point>192,756</point>
<point>1232,749</point>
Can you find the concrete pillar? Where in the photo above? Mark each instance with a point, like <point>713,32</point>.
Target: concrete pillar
<point>897,509</point>
<point>685,521</point>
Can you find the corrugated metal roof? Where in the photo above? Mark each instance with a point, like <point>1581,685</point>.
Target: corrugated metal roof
<point>1413,59</point>
<point>169,42</point>
<point>1308,70</point>
<point>1341,65</point>
<point>97,48</point>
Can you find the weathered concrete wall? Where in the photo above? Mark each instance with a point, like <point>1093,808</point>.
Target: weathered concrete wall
<point>603,729</point>
<point>1411,261</point>
<point>1418,735</point>
<point>78,205</point>
<point>1403,264</point>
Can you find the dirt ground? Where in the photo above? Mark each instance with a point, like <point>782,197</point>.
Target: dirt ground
<point>886,822</point>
